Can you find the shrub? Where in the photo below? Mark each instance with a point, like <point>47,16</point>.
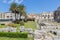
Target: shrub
<point>25,20</point>
<point>12,24</point>
<point>31,19</point>
<point>2,24</point>
<point>21,23</point>
<point>13,34</point>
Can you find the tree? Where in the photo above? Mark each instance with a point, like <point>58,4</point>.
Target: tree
<point>13,8</point>
<point>21,9</point>
<point>18,9</point>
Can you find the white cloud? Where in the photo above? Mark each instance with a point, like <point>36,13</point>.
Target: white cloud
<point>19,1</point>
<point>4,1</point>
<point>10,1</point>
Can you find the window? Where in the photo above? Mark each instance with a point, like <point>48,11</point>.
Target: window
<point>3,16</point>
<point>7,16</point>
<point>45,15</point>
<point>48,16</point>
<point>51,15</point>
<point>11,16</point>
<point>0,15</point>
<point>42,15</point>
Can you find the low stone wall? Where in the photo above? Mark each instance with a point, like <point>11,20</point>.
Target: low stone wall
<point>11,29</point>
<point>8,29</point>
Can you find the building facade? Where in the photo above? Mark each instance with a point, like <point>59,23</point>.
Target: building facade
<point>8,17</point>
<point>33,16</point>
<point>47,16</point>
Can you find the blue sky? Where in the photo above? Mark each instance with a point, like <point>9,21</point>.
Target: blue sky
<point>34,6</point>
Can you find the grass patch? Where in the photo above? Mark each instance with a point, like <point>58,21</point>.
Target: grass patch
<point>7,38</point>
<point>3,26</point>
<point>30,24</point>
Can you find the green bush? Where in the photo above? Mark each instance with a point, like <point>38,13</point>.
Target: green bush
<point>14,34</point>
<point>21,23</point>
<point>2,24</point>
<point>12,24</point>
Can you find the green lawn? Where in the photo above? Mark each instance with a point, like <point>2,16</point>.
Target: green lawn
<point>3,26</point>
<point>29,24</point>
<point>7,38</point>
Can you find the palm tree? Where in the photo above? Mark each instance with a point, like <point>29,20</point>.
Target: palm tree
<point>18,9</point>
<point>24,14</point>
<point>13,8</point>
<point>21,9</point>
